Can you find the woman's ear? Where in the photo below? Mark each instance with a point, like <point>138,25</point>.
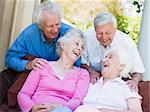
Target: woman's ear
<point>61,45</point>
<point>121,67</point>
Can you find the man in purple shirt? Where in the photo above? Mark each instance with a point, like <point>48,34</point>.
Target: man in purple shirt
<point>37,40</point>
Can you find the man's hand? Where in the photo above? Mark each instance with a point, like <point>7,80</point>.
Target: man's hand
<point>133,84</point>
<point>94,76</point>
<point>36,64</point>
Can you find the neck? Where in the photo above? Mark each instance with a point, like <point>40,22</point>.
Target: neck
<point>65,63</point>
<point>105,79</point>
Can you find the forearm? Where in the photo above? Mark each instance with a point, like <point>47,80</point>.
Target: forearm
<point>25,102</point>
<point>85,66</point>
<point>16,63</point>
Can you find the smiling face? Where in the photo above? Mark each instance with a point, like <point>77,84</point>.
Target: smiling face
<point>73,48</point>
<point>50,25</point>
<point>105,33</point>
<point>111,66</point>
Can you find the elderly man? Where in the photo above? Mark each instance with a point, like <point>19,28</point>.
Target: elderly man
<point>37,40</point>
<point>104,38</point>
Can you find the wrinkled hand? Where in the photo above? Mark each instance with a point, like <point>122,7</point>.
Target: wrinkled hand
<point>55,104</point>
<point>94,76</point>
<point>133,85</point>
<point>45,107</point>
<point>41,108</point>
<point>36,64</point>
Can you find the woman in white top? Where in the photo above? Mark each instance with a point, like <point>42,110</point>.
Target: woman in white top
<point>111,93</point>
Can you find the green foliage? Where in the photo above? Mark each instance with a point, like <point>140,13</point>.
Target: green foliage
<point>81,14</point>
<point>129,26</point>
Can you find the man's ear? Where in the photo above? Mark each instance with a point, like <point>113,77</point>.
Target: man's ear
<point>121,67</point>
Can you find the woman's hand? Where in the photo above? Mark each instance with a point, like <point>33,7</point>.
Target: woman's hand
<point>45,107</point>
<point>42,108</point>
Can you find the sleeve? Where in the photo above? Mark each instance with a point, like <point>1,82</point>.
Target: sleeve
<point>24,97</point>
<point>137,62</point>
<point>130,94</point>
<point>15,54</point>
<point>80,91</point>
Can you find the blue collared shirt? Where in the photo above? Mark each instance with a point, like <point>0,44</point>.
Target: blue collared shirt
<point>32,42</point>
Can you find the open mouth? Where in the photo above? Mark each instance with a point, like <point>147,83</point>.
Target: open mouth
<point>105,64</point>
<point>77,54</point>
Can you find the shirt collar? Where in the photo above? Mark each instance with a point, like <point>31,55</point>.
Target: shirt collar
<point>44,40</point>
<point>117,79</point>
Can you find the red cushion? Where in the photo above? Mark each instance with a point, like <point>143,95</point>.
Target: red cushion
<point>15,88</point>
<point>144,89</point>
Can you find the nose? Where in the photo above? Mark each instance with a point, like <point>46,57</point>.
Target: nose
<point>79,49</point>
<point>55,29</point>
<point>103,36</point>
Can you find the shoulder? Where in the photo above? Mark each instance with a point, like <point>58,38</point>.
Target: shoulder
<point>33,28</point>
<point>30,31</point>
<point>90,35</point>
<point>47,68</point>
<point>131,94</point>
<point>90,32</point>
<point>124,39</point>
<point>82,71</point>
<point>64,28</point>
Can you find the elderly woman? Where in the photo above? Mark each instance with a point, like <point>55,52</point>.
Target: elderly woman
<point>111,93</point>
<point>60,86</point>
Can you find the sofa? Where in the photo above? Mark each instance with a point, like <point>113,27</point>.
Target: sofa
<point>11,105</point>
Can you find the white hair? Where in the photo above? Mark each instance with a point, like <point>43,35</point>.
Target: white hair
<point>52,8</point>
<point>125,58</point>
<point>69,35</point>
<point>104,18</point>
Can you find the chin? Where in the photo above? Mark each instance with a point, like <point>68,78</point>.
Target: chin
<point>75,59</point>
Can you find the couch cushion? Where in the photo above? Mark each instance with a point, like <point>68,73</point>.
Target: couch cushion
<point>15,88</point>
<point>144,89</point>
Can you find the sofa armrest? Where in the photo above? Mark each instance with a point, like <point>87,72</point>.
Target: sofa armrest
<point>144,90</point>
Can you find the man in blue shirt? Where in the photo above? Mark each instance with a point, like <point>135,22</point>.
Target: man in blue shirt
<point>37,40</point>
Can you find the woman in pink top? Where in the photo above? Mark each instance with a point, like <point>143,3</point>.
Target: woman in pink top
<point>60,86</point>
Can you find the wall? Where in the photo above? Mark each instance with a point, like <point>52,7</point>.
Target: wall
<point>144,40</point>
<point>15,15</point>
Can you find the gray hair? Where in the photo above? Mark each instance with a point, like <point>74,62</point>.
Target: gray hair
<point>104,18</point>
<point>125,58</point>
<point>53,8</point>
<point>69,35</point>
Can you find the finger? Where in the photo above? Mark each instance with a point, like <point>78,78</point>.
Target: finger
<point>44,61</point>
<point>41,62</point>
<point>128,82</point>
<point>39,65</point>
<point>97,77</point>
<point>37,68</point>
<point>94,80</point>
<point>91,80</point>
